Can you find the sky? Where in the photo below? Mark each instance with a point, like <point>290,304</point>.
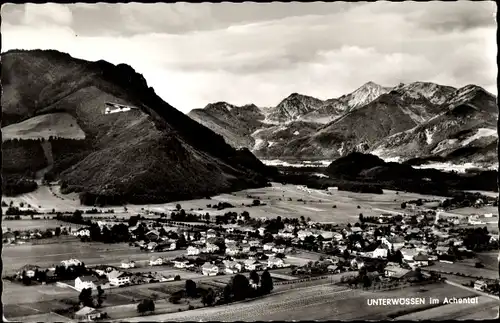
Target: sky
<point>200,53</point>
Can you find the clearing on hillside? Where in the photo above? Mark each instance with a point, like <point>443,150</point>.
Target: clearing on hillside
<point>61,125</point>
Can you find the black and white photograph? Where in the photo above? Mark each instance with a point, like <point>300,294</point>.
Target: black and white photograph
<point>249,162</point>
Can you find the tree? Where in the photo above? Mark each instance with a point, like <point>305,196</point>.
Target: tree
<point>133,220</point>
<point>254,277</point>
<point>266,282</point>
<point>58,231</point>
<point>190,288</point>
<point>146,305</point>
<point>403,205</point>
<point>208,298</point>
<point>100,291</point>
<point>85,297</point>
<point>240,285</point>
<point>26,280</point>
<point>227,293</point>
<point>361,218</point>
<point>255,202</point>
<point>178,207</point>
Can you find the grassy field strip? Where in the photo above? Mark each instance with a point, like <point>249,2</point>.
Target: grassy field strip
<point>450,311</point>
<point>245,306</point>
<point>472,290</point>
<point>49,317</point>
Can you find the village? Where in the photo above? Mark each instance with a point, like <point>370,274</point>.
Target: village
<point>414,245</point>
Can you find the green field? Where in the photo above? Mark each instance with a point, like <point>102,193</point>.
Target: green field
<point>465,267</point>
<point>322,302</point>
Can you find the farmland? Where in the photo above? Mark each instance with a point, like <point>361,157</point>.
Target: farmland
<point>466,267</point>
<point>486,309</point>
<point>41,224</point>
<point>318,204</point>
<point>322,302</point>
<point>90,253</point>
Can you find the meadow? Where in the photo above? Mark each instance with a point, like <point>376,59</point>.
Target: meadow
<point>321,302</point>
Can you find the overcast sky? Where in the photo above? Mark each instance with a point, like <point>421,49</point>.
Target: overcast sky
<point>195,54</point>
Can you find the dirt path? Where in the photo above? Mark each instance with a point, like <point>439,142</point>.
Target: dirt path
<point>47,150</point>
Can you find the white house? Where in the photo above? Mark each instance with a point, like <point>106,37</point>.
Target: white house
<point>229,240</point>
<point>395,243</point>
<point>82,232</point>
<point>119,279</point>
<point>421,260</point>
<point>380,252</point>
<point>193,251</point>
<point>181,263</point>
<point>245,247</point>
<point>395,272</point>
<point>232,267</point>
<point>209,269</point>
<point>480,285</point>
<point>254,243</point>
<point>337,236</point>
<point>155,261</point>
<point>232,250</point>
<point>262,231</point>
<point>86,282</point>
<point>275,262</point>
<point>441,250</point>
<point>87,314</point>
<point>279,249</point>
<point>302,234</point>
<point>252,264</point>
<point>269,246</point>
<point>151,246</point>
<point>210,247</point>
<point>408,254</point>
<point>127,264</point>
<point>357,262</point>
<point>211,233</point>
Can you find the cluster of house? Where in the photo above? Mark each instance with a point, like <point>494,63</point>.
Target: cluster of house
<point>231,265</point>
<point>21,236</point>
<point>109,276</point>
<point>158,239</point>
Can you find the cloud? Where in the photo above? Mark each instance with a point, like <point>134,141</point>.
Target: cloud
<point>43,14</point>
<point>463,15</point>
<point>325,51</point>
<point>174,17</point>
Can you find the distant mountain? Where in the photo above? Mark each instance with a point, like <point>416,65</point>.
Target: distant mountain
<point>293,107</point>
<point>151,154</point>
<point>334,108</point>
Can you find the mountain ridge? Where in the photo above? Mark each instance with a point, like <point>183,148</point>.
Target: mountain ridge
<point>328,129</point>
<point>151,154</point>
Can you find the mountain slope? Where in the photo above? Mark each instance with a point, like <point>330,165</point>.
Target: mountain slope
<point>464,132</point>
<point>151,154</point>
<point>355,131</point>
<point>235,124</point>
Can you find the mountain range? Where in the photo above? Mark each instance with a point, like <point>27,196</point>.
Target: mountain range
<point>416,122</point>
<point>53,112</point>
